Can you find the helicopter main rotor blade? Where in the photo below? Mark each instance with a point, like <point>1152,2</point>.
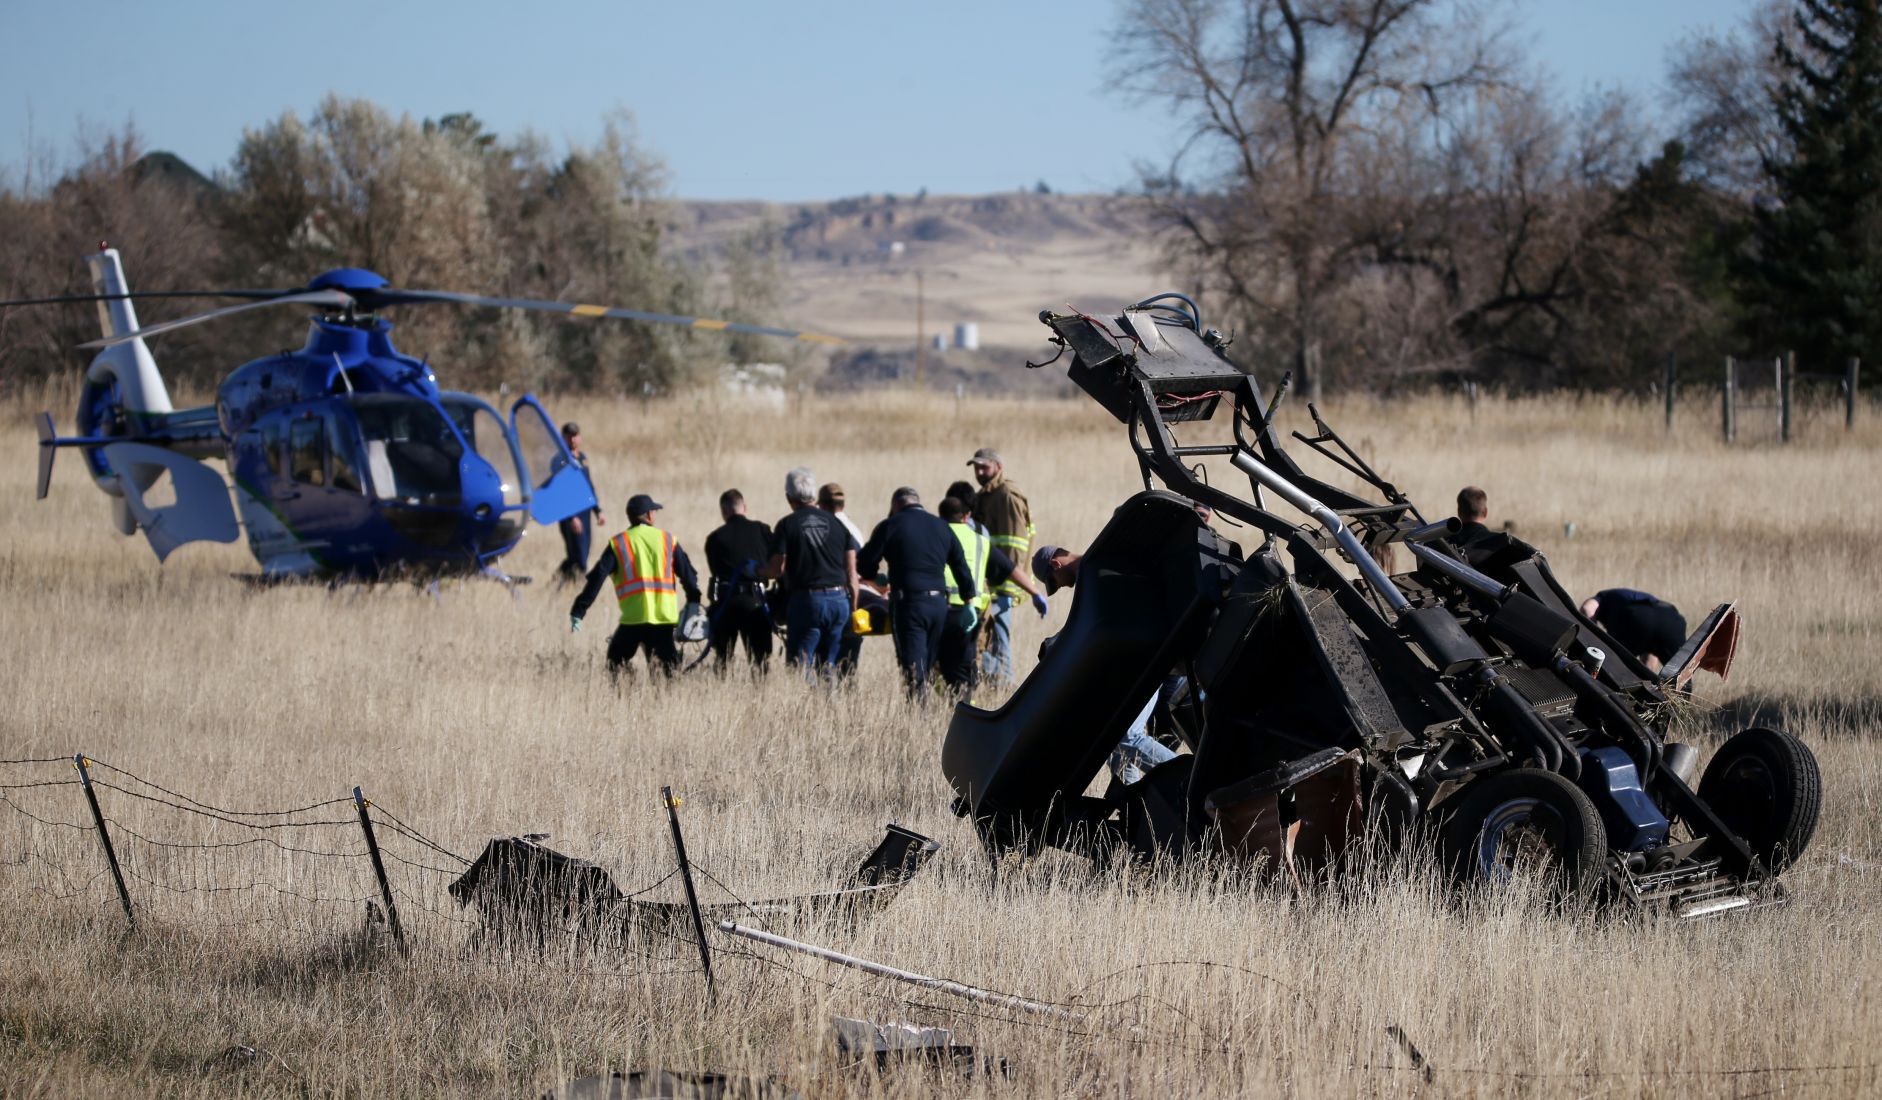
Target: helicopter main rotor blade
<point>334,298</point>
<point>61,299</point>
<point>575,309</point>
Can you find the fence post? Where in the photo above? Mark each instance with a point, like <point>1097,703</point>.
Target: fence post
<point>692,898</point>
<point>1672,380</point>
<point>379,869</point>
<point>104,837</point>
<point>1786,373</point>
<point>1727,423</point>
<point>1849,395</point>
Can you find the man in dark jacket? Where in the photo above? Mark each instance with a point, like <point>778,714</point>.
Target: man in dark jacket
<point>918,548</point>
<point>578,531</point>
<point>1473,507</point>
<point>733,554</point>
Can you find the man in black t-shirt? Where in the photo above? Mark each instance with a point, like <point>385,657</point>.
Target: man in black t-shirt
<point>733,554</point>
<point>815,555</point>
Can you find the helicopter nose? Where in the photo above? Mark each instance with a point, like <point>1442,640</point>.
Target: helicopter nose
<point>482,489</point>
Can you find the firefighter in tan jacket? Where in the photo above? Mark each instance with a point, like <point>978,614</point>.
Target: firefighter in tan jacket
<point>1002,509</point>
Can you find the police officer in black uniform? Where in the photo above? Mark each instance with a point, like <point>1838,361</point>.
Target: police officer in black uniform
<point>917,546</point>
<point>733,554</point>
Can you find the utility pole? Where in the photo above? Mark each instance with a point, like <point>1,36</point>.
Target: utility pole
<point>921,327</point>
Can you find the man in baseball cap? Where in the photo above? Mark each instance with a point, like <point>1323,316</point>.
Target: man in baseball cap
<point>1055,567</point>
<point>1007,517</point>
<point>649,570</point>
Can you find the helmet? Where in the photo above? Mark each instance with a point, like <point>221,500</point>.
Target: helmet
<point>692,626</point>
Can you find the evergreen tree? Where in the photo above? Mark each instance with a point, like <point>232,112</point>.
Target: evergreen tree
<point>1812,280</point>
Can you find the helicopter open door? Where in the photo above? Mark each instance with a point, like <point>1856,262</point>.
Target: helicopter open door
<point>559,485</point>
<point>202,512</point>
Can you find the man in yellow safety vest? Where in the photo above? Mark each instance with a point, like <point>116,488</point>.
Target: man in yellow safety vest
<point>648,569</point>
<point>990,566</point>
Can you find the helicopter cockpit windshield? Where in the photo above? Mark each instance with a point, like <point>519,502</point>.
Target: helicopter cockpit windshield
<point>411,451</point>
<point>490,437</point>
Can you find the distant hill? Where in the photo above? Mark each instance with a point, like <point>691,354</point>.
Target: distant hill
<point>171,170</point>
<point>991,260</point>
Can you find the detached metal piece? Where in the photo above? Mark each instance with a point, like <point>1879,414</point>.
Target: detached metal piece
<point>527,893</point>
<point>883,970</point>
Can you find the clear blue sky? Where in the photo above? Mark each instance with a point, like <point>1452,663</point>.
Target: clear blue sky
<point>783,101</point>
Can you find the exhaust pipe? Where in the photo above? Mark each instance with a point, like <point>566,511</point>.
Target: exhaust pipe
<point>1355,550</point>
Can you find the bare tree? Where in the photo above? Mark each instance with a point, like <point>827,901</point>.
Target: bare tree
<point>153,209</point>
<point>1291,109</point>
<point>1724,83</point>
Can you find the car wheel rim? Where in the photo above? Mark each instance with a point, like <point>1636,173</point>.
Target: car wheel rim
<point>1520,836</point>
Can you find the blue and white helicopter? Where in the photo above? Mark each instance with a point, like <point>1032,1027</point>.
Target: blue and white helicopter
<point>346,457</point>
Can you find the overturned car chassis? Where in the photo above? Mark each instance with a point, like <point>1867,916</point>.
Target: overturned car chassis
<point>1322,698</point>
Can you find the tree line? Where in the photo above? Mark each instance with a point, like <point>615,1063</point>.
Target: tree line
<point>438,203</point>
<point>1383,193</point>
<point>1372,193</point>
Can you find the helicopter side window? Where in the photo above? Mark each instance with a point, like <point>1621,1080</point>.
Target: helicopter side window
<point>272,444</point>
<point>410,443</point>
<point>341,456</point>
<point>306,455</point>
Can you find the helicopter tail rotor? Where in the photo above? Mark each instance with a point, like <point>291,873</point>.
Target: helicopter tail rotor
<point>48,450</point>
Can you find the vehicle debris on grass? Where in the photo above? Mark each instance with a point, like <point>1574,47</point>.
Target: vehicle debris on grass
<point>1322,698</point>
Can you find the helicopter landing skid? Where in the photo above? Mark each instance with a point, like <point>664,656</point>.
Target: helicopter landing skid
<point>491,572</point>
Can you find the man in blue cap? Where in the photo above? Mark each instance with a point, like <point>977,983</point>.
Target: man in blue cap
<point>648,569</point>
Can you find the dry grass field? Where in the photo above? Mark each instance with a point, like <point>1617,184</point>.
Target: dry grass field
<point>476,714</point>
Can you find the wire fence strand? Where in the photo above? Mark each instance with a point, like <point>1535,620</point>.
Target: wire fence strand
<point>217,816</point>
<point>206,806</point>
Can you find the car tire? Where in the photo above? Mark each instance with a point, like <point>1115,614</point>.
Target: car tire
<point>1525,813</point>
<point>1764,784</point>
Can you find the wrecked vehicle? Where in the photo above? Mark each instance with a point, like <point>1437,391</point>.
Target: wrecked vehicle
<point>1323,699</point>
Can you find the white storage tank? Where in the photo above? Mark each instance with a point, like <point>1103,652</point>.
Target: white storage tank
<point>967,336</point>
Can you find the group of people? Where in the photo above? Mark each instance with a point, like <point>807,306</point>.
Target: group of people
<point>946,583</point>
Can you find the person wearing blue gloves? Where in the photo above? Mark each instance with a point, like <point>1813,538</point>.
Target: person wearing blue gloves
<point>966,615</point>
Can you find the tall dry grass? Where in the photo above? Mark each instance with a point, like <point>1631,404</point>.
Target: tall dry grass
<point>476,714</point>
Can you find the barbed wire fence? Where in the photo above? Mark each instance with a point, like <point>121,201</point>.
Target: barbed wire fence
<point>88,832</point>
<point>348,864</point>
